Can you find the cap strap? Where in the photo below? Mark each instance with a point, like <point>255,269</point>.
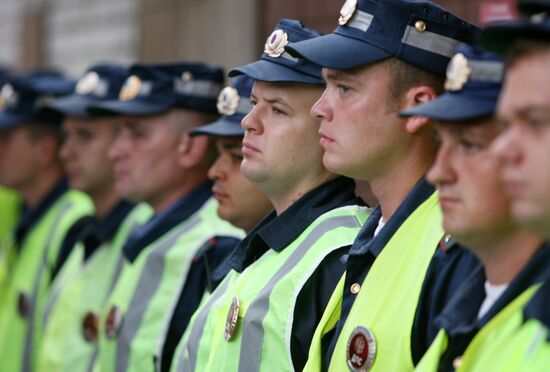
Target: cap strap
<point>486,71</point>
<point>430,41</point>
<point>200,88</point>
<point>361,20</point>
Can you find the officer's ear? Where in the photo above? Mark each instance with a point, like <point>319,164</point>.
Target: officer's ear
<point>417,96</point>
<point>192,150</point>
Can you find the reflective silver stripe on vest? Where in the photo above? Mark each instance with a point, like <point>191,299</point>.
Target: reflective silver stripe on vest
<point>252,329</point>
<point>486,71</point>
<point>430,41</point>
<point>361,20</point>
<point>146,288</point>
<point>29,336</point>
<point>196,331</point>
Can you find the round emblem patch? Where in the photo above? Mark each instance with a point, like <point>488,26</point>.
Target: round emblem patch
<point>113,322</point>
<point>24,305</point>
<point>130,89</point>
<point>228,101</point>
<point>7,95</point>
<point>458,73</point>
<point>232,319</point>
<point>88,83</point>
<point>275,44</point>
<point>90,327</point>
<point>361,349</point>
<point>347,11</point>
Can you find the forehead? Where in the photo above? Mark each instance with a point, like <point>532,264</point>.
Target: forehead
<point>373,70</point>
<point>486,128</point>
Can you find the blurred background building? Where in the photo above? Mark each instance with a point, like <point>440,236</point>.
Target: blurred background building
<point>72,34</point>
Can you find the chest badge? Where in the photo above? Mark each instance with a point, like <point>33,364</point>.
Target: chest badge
<point>113,322</point>
<point>361,350</point>
<point>232,319</point>
<point>90,327</point>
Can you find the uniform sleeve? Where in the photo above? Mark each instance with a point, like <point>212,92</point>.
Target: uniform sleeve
<point>311,303</point>
<point>211,255</point>
<point>447,271</point>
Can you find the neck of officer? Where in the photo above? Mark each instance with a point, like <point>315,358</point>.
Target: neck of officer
<point>282,198</point>
<point>104,202</point>
<point>398,179</point>
<point>162,201</point>
<point>504,253</point>
<point>41,185</point>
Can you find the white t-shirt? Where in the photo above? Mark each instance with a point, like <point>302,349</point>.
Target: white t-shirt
<point>380,226</point>
<point>492,293</point>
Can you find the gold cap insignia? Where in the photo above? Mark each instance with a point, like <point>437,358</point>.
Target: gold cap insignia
<point>88,83</point>
<point>420,26</point>
<point>187,76</point>
<point>7,95</point>
<point>275,44</point>
<point>130,89</point>
<point>458,73</point>
<point>228,101</point>
<point>347,11</point>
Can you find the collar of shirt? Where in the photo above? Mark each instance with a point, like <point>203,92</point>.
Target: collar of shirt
<point>365,242</point>
<point>537,307</point>
<point>99,231</point>
<point>277,232</point>
<point>30,217</point>
<point>460,315</point>
<point>163,222</point>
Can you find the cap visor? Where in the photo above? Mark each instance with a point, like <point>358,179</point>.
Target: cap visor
<point>134,107</point>
<point>272,72</point>
<point>222,128</point>
<point>454,107</point>
<point>499,38</point>
<point>9,120</point>
<point>72,105</point>
<point>337,51</point>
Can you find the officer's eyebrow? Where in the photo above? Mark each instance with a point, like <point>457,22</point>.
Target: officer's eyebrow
<point>335,75</point>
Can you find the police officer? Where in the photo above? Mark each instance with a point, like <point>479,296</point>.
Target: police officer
<point>240,202</point>
<point>263,315</point>
<point>72,314</point>
<point>524,342</point>
<point>29,163</point>
<point>476,211</point>
<point>168,260</point>
<point>384,57</point>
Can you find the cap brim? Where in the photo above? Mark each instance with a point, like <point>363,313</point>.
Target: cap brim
<point>337,51</point>
<point>272,72</point>
<point>72,105</point>
<point>10,120</point>
<point>499,38</point>
<point>221,128</point>
<point>454,107</point>
<point>134,107</point>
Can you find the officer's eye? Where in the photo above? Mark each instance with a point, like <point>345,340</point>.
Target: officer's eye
<point>237,158</point>
<point>469,145</point>
<point>343,89</point>
<point>278,111</point>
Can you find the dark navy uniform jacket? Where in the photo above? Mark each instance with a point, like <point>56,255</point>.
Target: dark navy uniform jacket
<point>539,307</point>
<point>277,232</point>
<point>446,271</point>
<point>459,318</point>
<point>207,260</point>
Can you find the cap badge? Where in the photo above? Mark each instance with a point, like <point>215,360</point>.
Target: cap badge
<point>7,96</point>
<point>228,101</point>
<point>88,83</point>
<point>361,349</point>
<point>347,11</point>
<point>187,76</point>
<point>275,44</point>
<point>232,319</point>
<point>90,326</point>
<point>130,89</point>
<point>113,322</point>
<point>420,26</point>
<point>458,73</point>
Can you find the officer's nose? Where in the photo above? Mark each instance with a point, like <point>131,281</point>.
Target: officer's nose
<point>215,171</point>
<point>442,171</point>
<point>321,108</point>
<point>119,146</point>
<point>66,150</point>
<point>251,122</point>
<point>506,146</point>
